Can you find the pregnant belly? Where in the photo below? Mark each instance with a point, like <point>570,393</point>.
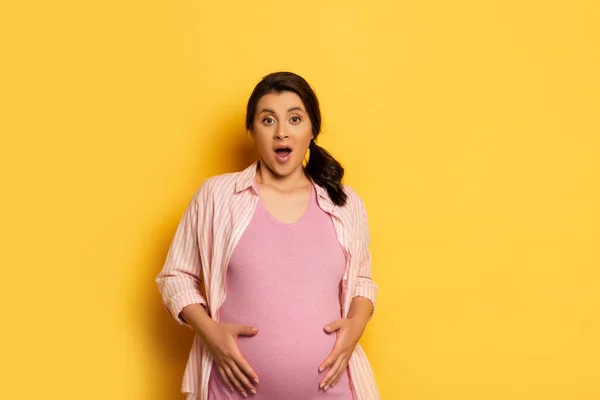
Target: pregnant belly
<point>286,360</point>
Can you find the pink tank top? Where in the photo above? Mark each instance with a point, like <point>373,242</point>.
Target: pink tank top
<point>285,279</point>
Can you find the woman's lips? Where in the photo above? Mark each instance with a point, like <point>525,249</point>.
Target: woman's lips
<point>283,156</point>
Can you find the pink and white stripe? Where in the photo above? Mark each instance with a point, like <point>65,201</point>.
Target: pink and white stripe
<point>195,268</point>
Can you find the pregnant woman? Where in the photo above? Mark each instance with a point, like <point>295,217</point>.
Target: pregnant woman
<point>271,266</point>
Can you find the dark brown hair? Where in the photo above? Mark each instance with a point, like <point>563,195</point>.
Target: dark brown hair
<point>325,170</point>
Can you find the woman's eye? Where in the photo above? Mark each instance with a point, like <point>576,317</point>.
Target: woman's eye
<point>268,120</point>
<point>295,120</point>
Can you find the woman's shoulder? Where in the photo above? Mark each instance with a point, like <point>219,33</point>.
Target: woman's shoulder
<point>217,186</point>
<point>222,181</point>
<point>353,199</point>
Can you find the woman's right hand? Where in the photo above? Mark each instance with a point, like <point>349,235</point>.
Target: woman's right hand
<point>221,339</point>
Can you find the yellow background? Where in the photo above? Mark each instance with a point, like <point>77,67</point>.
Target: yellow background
<point>470,129</point>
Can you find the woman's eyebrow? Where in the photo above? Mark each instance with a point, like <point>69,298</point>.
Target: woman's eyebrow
<point>268,110</point>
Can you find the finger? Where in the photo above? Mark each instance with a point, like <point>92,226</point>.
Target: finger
<point>246,330</point>
<point>326,382</point>
<point>329,360</point>
<point>331,374</point>
<point>246,368</point>
<point>234,380</point>
<point>334,381</point>
<point>242,378</point>
<point>225,379</point>
<point>333,326</point>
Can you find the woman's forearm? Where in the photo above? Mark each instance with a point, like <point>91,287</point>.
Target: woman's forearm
<point>197,317</point>
<point>360,310</point>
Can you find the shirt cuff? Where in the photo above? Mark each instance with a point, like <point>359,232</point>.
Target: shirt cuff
<point>366,287</point>
<point>176,304</point>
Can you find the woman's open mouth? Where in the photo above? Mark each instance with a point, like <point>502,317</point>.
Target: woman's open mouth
<point>283,154</point>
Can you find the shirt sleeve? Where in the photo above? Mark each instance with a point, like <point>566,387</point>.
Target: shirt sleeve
<point>180,278</point>
<point>365,285</point>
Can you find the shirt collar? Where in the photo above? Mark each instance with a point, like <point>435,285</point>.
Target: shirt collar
<point>246,180</point>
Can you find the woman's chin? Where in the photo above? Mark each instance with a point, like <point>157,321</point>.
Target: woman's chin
<point>282,168</point>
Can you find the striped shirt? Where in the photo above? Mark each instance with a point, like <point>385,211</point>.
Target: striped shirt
<point>195,268</point>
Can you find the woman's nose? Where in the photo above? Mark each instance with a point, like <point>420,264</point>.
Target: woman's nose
<point>281,135</point>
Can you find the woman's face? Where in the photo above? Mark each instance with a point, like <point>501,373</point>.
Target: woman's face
<point>282,131</point>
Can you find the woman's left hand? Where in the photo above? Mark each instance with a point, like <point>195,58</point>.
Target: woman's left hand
<point>349,332</point>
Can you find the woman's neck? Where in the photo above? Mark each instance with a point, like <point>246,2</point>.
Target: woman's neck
<point>296,179</point>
